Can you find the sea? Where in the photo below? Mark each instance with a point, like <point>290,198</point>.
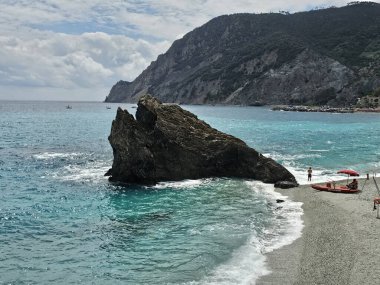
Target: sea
<point>62,222</point>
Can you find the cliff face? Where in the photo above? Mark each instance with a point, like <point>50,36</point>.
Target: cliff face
<point>165,142</point>
<point>329,56</point>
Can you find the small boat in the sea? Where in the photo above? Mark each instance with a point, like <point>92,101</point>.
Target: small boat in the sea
<point>108,107</point>
<point>69,107</point>
<point>332,187</point>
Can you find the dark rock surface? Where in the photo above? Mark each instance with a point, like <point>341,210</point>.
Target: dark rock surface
<point>322,57</point>
<point>285,184</point>
<point>165,143</point>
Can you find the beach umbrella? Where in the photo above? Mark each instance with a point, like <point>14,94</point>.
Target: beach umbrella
<point>349,173</point>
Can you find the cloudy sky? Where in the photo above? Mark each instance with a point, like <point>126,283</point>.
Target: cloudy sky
<point>77,49</point>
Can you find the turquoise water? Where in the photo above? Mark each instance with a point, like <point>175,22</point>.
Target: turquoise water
<point>61,221</point>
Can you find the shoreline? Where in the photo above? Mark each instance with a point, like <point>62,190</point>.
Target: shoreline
<point>339,242</point>
<point>323,109</point>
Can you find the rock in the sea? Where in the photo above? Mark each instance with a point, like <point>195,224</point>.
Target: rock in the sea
<point>165,143</point>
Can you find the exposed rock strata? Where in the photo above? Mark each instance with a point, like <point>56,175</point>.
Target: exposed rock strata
<point>165,143</point>
<point>325,57</point>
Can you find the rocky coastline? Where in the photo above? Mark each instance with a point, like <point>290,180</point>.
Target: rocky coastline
<point>324,109</point>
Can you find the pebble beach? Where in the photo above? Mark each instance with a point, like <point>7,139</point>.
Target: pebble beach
<point>339,242</point>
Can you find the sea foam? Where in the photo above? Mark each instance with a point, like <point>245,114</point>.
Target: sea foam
<point>90,172</point>
<point>291,162</point>
<point>54,155</point>
<point>248,263</point>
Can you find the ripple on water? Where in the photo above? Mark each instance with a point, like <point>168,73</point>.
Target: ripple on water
<point>61,222</point>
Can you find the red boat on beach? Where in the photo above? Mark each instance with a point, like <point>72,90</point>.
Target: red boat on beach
<point>332,187</point>
<point>329,187</point>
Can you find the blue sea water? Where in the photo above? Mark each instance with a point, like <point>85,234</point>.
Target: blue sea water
<point>62,222</point>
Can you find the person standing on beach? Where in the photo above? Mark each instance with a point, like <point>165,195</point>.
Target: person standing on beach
<point>309,172</point>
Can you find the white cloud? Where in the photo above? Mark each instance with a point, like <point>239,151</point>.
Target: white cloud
<point>91,44</point>
<point>69,61</point>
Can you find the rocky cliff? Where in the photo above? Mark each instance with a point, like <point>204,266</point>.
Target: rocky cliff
<point>329,56</point>
<point>165,142</point>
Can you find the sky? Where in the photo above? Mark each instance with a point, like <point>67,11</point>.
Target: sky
<point>76,50</point>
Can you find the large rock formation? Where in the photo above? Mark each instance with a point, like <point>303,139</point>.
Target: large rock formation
<point>329,56</point>
<point>165,142</point>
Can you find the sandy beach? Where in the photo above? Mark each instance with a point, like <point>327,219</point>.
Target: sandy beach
<point>340,242</point>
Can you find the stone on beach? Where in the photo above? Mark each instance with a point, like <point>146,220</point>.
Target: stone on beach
<point>168,143</point>
<point>285,184</point>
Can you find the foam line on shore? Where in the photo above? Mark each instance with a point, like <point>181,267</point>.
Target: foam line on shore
<point>320,256</point>
<point>248,263</point>
<point>287,227</point>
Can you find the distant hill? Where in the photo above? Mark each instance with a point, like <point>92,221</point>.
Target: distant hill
<point>329,56</point>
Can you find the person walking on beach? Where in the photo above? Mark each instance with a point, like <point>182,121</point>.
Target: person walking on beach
<point>309,172</point>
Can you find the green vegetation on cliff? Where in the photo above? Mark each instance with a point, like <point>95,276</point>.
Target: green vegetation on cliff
<point>328,56</point>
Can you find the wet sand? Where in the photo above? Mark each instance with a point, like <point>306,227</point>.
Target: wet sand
<point>340,242</point>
